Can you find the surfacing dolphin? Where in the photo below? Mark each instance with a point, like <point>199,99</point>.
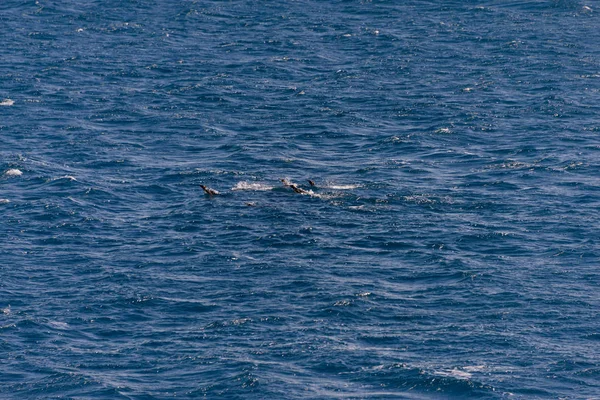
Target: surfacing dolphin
<point>209,191</point>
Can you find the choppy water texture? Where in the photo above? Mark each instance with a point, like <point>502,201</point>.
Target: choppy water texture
<point>449,248</point>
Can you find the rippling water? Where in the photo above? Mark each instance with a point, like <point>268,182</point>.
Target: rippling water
<point>449,247</point>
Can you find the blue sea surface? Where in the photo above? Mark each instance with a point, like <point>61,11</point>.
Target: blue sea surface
<point>450,247</point>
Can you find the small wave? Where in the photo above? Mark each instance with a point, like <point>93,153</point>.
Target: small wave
<point>68,177</point>
<point>13,172</point>
<point>460,372</point>
<point>419,199</point>
<point>510,164</point>
<point>7,102</point>
<point>243,185</point>
<point>4,201</point>
<point>343,303</point>
<point>443,130</point>
<point>237,255</point>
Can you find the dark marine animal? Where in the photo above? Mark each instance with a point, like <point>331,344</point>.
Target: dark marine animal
<point>293,186</point>
<point>297,189</point>
<point>209,191</point>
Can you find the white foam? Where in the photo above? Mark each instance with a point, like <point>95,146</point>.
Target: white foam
<point>13,172</point>
<point>7,102</point>
<point>342,187</point>
<point>455,373</point>
<point>322,196</point>
<point>342,303</point>
<point>58,325</point>
<point>4,201</point>
<point>361,207</point>
<point>243,185</point>
<point>474,368</point>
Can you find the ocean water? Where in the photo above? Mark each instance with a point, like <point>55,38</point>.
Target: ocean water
<point>449,247</point>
